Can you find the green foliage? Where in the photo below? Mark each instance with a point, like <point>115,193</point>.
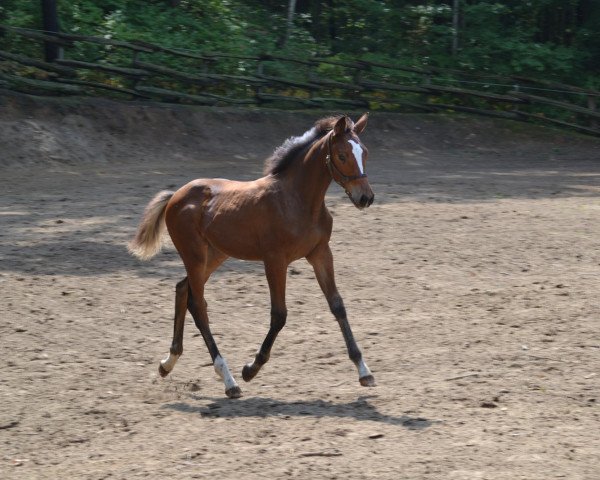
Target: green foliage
<point>496,42</point>
<point>549,38</point>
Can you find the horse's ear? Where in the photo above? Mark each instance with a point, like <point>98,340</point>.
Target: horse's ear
<point>341,126</point>
<point>361,123</point>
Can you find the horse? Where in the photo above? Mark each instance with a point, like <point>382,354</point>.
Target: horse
<point>277,219</point>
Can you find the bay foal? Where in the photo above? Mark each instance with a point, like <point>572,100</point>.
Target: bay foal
<point>275,219</point>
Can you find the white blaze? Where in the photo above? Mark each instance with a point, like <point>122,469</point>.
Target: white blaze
<point>358,154</point>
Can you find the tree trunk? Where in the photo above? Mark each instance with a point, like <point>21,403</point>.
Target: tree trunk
<point>289,23</point>
<point>455,25</point>
<point>332,27</point>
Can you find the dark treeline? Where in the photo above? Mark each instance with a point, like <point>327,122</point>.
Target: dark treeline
<point>554,39</point>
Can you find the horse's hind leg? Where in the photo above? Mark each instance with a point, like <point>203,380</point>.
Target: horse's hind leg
<point>276,276</point>
<point>322,261</point>
<point>200,264</point>
<point>198,309</point>
<point>181,300</point>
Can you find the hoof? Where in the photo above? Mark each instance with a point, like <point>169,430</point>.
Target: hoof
<point>368,381</point>
<point>249,372</point>
<point>234,392</point>
<point>161,371</point>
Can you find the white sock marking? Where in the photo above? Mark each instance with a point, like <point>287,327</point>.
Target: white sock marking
<point>169,362</point>
<point>363,370</point>
<point>358,154</point>
<point>223,371</point>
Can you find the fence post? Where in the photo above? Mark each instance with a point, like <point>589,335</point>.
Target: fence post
<point>358,74</point>
<point>591,103</point>
<point>136,80</point>
<point>50,24</point>
<point>515,108</point>
<point>260,68</point>
<point>424,97</point>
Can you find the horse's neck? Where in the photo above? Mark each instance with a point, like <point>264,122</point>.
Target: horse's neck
<point>310,178</point>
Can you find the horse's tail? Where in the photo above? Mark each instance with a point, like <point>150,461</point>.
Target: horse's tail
<point>147,240</point>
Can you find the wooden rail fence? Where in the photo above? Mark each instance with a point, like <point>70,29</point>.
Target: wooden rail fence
<point>271,80</point>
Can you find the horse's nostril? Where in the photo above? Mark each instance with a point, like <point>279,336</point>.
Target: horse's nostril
<point>371,200</point>
<point>364,200</point>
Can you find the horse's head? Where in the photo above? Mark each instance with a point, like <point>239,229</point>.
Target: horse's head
<point>347,159</point>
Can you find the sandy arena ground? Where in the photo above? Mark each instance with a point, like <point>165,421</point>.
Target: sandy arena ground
<point>472,285</point>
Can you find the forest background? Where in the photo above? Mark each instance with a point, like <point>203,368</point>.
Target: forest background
<point>551,39</point>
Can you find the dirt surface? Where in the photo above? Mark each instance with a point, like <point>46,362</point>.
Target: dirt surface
<point>472,285</point>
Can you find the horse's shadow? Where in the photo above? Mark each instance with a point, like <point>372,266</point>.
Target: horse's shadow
<point>262,407</point>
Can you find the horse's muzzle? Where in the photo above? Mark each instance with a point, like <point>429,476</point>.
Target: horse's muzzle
<point>361,195</point>
<point>366,201</point>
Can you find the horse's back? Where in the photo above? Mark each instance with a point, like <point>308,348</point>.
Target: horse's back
<point>230,215</point>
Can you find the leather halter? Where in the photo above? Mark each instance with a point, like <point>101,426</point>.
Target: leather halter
<point>332,167</point>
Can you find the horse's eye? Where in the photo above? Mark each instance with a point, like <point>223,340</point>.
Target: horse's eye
<point>342,157</point>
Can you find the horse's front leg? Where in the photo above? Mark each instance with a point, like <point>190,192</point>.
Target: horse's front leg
<point>321,260</point>
<point>276,272</point>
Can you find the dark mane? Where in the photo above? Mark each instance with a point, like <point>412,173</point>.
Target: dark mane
<point>285,154</point>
